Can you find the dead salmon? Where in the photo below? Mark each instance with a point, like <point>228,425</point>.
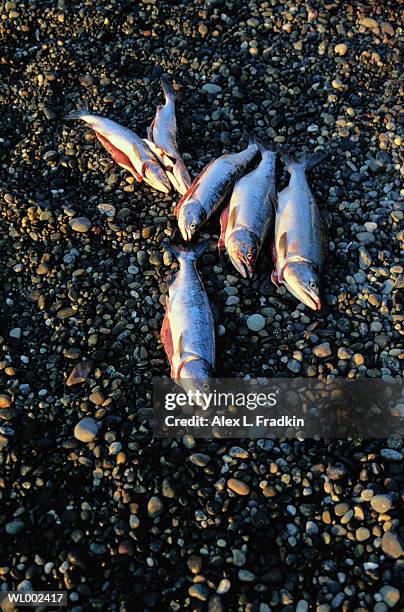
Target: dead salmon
<point>187,332</point>
<point>246,220</point>
<point>162,139</point>
<point>210,188</point>
<point>127,149</point>
<point>300,235</point>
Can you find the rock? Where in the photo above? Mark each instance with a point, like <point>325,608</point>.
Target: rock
<point>223,587</point>
<point>199,591</point>
<point>79,373</point>
<point>390,595</point>
<point>381,503</point>
<point>199,459</point>
<point>211,88</point>
<point>134,521</point>
<point>341,49</point>
<point>391,545</point>
<point>294,366</point>
<point>322,350</point>
<point>238,486</point>
<point>5,401</point>
<point>80,224</point>
<point>87,429</point>
<point>391,455</point>
<point>14,527</point>
<point>337,471</point>
<point>255,322</point>
<point>96,398</point>
<point>362,534</point>
<point>246,576</point>
<point>107,209</point>
<point>16,333</point>
<point>155,507</point>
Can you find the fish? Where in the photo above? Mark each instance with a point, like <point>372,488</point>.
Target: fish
<point>127,149</point>
<point>246,220</point>
<point>300,243</point>
<point>162,140</point>
<point>187,332</point>
<point>210,188</point>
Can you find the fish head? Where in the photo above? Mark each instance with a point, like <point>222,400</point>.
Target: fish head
<point>191,215</point>
<point>195,375</point>
<point>303,281</point>
<point>242,247</point>
<point>154,174</point>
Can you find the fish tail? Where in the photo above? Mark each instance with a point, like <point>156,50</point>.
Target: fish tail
<point>182,252</point>
<point>76,114</point>
<point>315,159</point>
<point>167,87</point>
<point>306,163</point>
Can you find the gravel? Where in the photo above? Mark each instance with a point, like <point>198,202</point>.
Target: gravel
<point>90,502</point>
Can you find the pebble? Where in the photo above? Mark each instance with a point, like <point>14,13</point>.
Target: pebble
<point>155,507</point>
<point>238,486</point>
<point>199,591</point>
<point>390,595</point>
<point>381,503</point>
<point>256,322</point>
<point>80,224</point>
<point>87,429</point>
<point>14,527</point>
<point>341,49</point>
<point>211,88</point>
<point>322,350</point>
<point>199,459</point>
<point>392,546</point>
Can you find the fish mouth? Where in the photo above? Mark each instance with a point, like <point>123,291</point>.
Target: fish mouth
<point>188,233</point>
<point>307,297</point>
<point>246,270</point>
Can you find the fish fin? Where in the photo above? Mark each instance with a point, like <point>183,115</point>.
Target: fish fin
<point>119,156</point>
<point>178,348</point>
<point>150,131</point>
<point>224,217</point>
<point>186,252</point>
<point>274,277</point>
<point>232,217</point>
<point>181,175</point>
<point>167,88</point>
<point>307,163</point>
<point>282,245</point>
<point>77,114</point>
<point>167,338</point>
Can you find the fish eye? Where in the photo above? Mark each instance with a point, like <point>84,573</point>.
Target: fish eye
<point>249,256</point>
<point>313,285</point>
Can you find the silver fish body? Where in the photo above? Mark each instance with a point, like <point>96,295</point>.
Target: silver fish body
<point>188,329</point>
<point>300,237</point>
<point>249,215</point>
<point>162,139</point>
<point>127,149</point>
<point>209,189</point>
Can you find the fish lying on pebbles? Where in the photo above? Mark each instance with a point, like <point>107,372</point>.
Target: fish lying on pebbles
<point>187,332</point>
<point>246,220</point>
<point>162,139</point>
<point>209,189</point>
<point>300,238</point>
<point>127,149</point>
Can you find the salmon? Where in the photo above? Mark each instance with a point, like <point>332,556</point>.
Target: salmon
<point>162,139</point>
<point>246,220</point>
<point>210,188</point>
<point>300,243</point>
<point>187,333</point>
<point>127,149</point>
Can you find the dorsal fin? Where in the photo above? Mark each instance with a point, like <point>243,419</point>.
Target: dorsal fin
<point>224,217</point>
<point>282,246</point>
<point>232,218</point>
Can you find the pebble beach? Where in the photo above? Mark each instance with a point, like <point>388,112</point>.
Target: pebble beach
<point>90,502</point>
